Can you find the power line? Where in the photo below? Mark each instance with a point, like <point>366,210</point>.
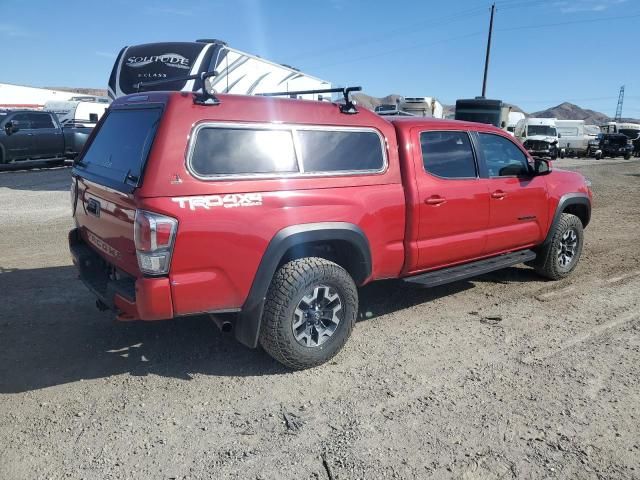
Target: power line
<point>570,22</point>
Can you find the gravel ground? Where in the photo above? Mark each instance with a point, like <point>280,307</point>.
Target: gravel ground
<point>506,376</point>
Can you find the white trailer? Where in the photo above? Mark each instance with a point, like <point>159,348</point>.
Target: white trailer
<point>422,107</point>
<point>78,112</point>
<point>572,139</point>
<point>167,64</point>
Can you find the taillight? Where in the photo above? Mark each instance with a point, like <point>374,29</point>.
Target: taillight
<point>154,235</point>
<point>73,195</point>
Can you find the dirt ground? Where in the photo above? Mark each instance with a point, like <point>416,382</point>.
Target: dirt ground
<point>506,376</point>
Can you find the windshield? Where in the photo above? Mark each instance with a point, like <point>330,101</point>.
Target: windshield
<point>631,133</point>
<point>119,150</point>
<point>544,130</point>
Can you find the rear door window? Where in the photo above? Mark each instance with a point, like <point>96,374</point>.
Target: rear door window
<point>120,148</point>
<point>243,151</point>
<point>341,151</point>
<point>448,154</point>
<point>41,121</point>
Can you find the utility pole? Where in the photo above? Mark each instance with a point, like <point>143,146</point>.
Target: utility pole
<point>486,60</point>
<point>619,107</point>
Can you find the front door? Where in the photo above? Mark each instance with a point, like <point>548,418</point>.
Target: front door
<point>518,200</point>
<point>18,145</point>
<point>453,200</point>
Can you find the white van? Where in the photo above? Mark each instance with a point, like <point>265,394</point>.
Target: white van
<point>539,136</point>
<point>572,141</point>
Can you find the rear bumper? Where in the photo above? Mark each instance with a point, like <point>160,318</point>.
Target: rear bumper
<point>131,298</point>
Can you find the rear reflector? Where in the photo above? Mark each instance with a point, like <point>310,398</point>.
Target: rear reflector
<point>154,235</point>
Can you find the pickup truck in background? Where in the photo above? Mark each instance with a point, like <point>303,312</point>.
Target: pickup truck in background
<point>268,214</point>
<point>33,135</point>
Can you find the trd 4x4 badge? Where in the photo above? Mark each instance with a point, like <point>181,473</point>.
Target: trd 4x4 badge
<point>230,200</point>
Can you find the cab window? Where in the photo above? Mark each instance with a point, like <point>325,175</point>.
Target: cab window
<point>502,157</point>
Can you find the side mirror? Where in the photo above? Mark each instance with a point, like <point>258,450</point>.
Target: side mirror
<point>11,127</point>
<point>559,136</point>
<point>541,166</point>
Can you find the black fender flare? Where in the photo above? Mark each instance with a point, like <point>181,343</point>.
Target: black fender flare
<point>566,200</point>
<point>247,325</point>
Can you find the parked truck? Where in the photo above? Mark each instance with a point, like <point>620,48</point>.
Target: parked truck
<point>34,135</point>
<point>268,214</point>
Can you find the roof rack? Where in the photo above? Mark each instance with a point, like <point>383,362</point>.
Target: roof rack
<point>204,98</point>
<point>349,107</point>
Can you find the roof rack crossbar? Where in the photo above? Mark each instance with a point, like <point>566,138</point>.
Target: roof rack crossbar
<point>349,107</point>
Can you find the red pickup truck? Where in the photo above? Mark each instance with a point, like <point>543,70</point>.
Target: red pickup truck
<point>276,210</point>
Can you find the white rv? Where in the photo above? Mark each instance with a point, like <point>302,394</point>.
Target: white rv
<point>539,136</point>
<point>512,120</point>
<point>422,107</point>
<point>572,139</point>
<point>78,111</point>
<point>631,130</point>
<point>164,66</point>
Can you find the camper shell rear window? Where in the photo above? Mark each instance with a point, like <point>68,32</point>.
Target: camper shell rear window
<point>221,150</point>
<point>118,152</point>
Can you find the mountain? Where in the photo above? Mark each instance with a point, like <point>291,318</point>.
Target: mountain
<point>370,102</point>
<point>570,111</point>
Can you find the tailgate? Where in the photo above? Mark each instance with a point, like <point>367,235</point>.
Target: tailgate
<point>105,218</point>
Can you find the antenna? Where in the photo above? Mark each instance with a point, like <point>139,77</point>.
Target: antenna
<point>619,107</point>
<point>486,59</point>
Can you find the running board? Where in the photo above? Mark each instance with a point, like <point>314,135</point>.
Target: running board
<point>468,270</point>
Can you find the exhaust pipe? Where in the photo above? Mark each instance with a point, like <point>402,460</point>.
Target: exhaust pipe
<point>225,326</point>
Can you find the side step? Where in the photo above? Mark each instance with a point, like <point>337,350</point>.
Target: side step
<point>468,270</point>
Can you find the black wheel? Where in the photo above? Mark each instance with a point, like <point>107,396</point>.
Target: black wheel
<point>309,312</point>
<point>627,156</point>
<point>562,154</point>
<point>598,155</point>
<point>558,259</point>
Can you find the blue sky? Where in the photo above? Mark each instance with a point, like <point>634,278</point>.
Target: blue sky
<point>544,51</point>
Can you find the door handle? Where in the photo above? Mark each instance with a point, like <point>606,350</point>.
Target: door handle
<point>499,194</point>
<point>435,200</point>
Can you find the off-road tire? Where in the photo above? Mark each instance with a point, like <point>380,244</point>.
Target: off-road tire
<point>289,285</point>
<point>547,263</point>
<point>598,156</point>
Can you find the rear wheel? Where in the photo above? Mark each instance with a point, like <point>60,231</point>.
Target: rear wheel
<point>560,256</point>
<point>309,313</point>
<point>598,155</point>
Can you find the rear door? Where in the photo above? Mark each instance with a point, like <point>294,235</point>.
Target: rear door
<point>453,199</point>
<point>110,169</point>
<point>48,140</point>
<point>518,200</point>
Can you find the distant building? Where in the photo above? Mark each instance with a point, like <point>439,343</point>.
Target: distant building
<point>20,96</point>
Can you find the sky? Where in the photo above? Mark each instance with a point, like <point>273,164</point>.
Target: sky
<point>543,51</point>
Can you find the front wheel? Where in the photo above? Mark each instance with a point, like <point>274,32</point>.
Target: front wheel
<point>560,256</point>
<point>309,312</point>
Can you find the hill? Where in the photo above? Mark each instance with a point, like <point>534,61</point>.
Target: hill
<point>99,92</point>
